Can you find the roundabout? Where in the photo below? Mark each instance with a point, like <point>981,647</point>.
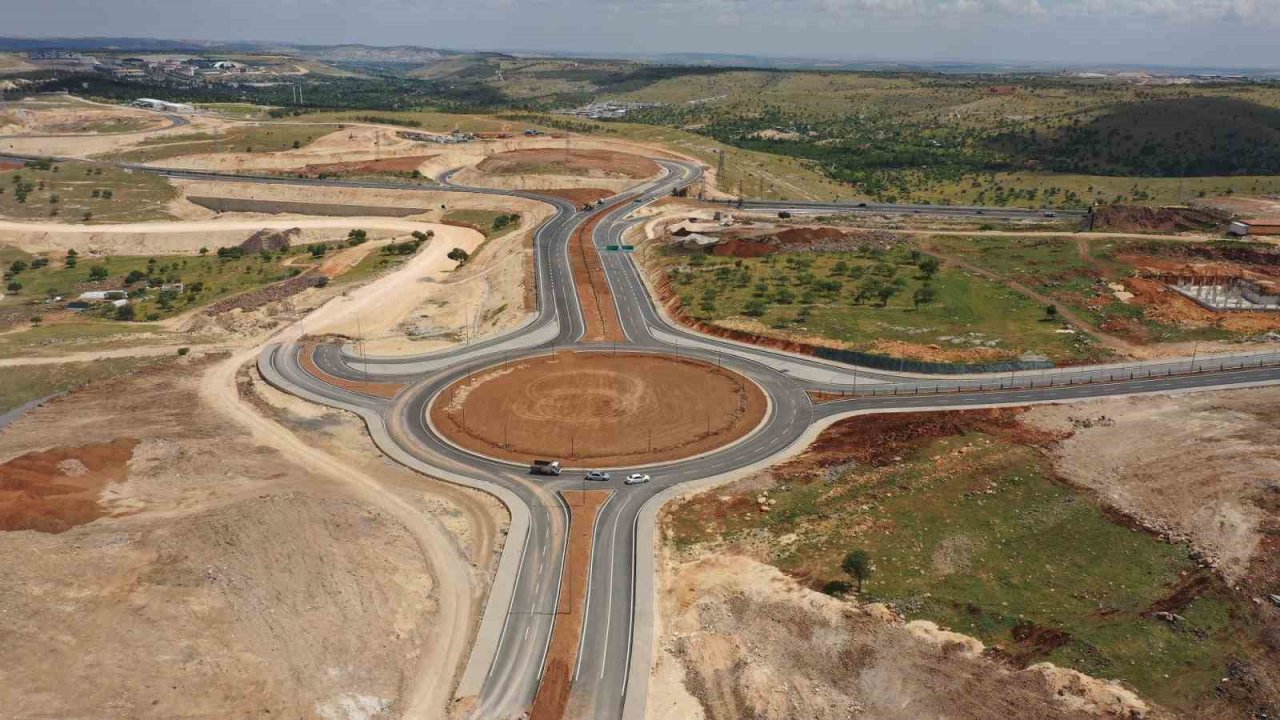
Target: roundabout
<point>598,409</point>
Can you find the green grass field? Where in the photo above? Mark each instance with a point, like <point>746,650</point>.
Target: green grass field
<point>67,191</point>
<point>971,530</point>
<point>817,295</point>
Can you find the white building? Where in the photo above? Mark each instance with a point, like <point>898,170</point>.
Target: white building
<point>163,105</point>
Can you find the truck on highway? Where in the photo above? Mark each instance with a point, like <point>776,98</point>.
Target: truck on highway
<point>545,467</point>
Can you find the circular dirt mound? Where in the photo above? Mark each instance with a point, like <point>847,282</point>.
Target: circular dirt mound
<point>598,409</point>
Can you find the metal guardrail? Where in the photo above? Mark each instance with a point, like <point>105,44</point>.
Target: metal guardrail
<point>1063,379</point>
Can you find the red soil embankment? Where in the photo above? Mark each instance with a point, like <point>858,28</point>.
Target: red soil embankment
<point>599,409</point>
<point>55,490</point>
<point>557,678</point>
<point>376,389</point>
<point>599,312</point>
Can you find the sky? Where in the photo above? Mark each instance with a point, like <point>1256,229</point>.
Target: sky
<point>1213,33</point>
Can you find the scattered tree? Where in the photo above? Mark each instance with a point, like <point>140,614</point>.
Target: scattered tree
<point>458,255</point>
<point>924,295</point>
<point>857,565</point>
<point>928,267</point>
<point>1051,312</point>
<point>98,272</point>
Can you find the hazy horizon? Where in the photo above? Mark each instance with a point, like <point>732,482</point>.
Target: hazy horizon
<point>1174,33</point>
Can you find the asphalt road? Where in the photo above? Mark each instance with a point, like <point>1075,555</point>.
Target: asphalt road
<point>607,684</point>
<point>612,676</point>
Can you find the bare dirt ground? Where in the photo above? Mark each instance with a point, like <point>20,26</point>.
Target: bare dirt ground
<point>580,196</point>
<point>1196,467</point>
<point>599,408</point>
<point>25,118</point>
<point>232,580</point>
<point>550,161</point>
<point>740,639</point>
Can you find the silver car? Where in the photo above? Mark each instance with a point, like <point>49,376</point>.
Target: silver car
<point>597,475</point>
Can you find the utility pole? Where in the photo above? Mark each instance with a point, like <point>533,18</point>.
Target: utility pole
<point>360,343</point>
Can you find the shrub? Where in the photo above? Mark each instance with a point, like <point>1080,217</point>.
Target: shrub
<point>183,351</point>
<point>98,272</point>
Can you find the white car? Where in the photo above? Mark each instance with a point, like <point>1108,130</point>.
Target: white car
<point>597,475</point>
<point>636,479</point>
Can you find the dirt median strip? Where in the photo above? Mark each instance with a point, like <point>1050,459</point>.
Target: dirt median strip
<point>599,312</point>
<point>557,677</point>
<point>376,389</point>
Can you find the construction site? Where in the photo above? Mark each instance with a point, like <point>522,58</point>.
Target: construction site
<point>294,478</point>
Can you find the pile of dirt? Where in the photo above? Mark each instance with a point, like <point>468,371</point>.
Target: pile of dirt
<point>592,163</point>
<point>599,408</point>
<point>744,640</point>
<point>270,240</point>
<point>396,165</point>
<point>1134,218</point>
<point>758,240</point>
<point>55,490</point>
<point>938,353</point>
<point>881,439</point>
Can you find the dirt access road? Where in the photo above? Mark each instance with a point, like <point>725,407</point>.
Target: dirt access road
<point>431,687</point>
